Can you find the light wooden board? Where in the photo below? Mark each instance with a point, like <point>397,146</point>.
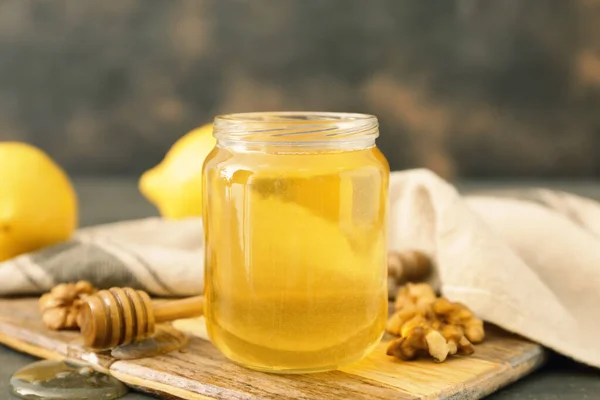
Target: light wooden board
<point>201,372</point>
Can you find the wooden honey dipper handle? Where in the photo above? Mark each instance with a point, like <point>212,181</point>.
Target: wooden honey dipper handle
<point>171,310</point>
<point>118,316</point>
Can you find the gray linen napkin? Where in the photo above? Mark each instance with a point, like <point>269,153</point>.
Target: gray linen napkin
<point>162,257</point>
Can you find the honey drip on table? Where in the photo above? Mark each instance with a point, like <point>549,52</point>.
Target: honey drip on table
<point>165,340</point>
<point>60,380</point>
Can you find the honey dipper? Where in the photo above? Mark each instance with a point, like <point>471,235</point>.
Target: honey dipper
<point>118,316</point>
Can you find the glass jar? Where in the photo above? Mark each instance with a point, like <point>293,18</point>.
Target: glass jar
<point>295,218</point>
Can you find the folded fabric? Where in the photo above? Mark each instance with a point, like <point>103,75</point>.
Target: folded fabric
<point>526,260</point>
<point>162,257</point>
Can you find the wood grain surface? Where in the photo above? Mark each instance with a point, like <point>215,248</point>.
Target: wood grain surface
<point>201,372</point>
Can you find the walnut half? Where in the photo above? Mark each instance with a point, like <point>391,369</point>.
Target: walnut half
<point>431,325</point>
<point>60,307</point>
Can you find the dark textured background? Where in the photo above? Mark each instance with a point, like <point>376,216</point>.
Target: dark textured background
<point>471,88</point>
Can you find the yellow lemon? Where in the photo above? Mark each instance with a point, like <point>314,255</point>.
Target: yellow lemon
<point>175,185</point>
<point>38,206</point>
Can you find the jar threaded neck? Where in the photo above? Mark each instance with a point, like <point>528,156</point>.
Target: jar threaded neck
<point>297,129</point>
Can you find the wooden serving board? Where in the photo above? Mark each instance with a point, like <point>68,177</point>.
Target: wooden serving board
<point>201,372</point>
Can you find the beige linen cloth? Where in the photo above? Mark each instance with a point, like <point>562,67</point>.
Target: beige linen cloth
<point>527,260</point>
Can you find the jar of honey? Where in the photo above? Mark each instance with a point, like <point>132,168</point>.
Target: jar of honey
<point>295,215</point>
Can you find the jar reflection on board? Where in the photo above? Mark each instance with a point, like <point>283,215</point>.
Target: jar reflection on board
<point>295,219</point>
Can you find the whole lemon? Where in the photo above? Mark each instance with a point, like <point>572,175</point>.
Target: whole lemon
<point>175,185</point>
<point>38,205</point>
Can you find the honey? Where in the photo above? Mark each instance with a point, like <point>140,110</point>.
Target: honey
<point>60,380</point>
<point>296,245</point>
<point>165,340</point>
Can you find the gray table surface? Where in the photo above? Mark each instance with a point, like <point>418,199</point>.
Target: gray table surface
<point>106,200</point>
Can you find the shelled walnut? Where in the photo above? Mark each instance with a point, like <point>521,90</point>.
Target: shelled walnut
<point>427,324</point>
<point>408,266</point>
<point>60,307</point>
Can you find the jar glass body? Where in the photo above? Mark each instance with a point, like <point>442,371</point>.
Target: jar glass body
<point>296,250</point>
